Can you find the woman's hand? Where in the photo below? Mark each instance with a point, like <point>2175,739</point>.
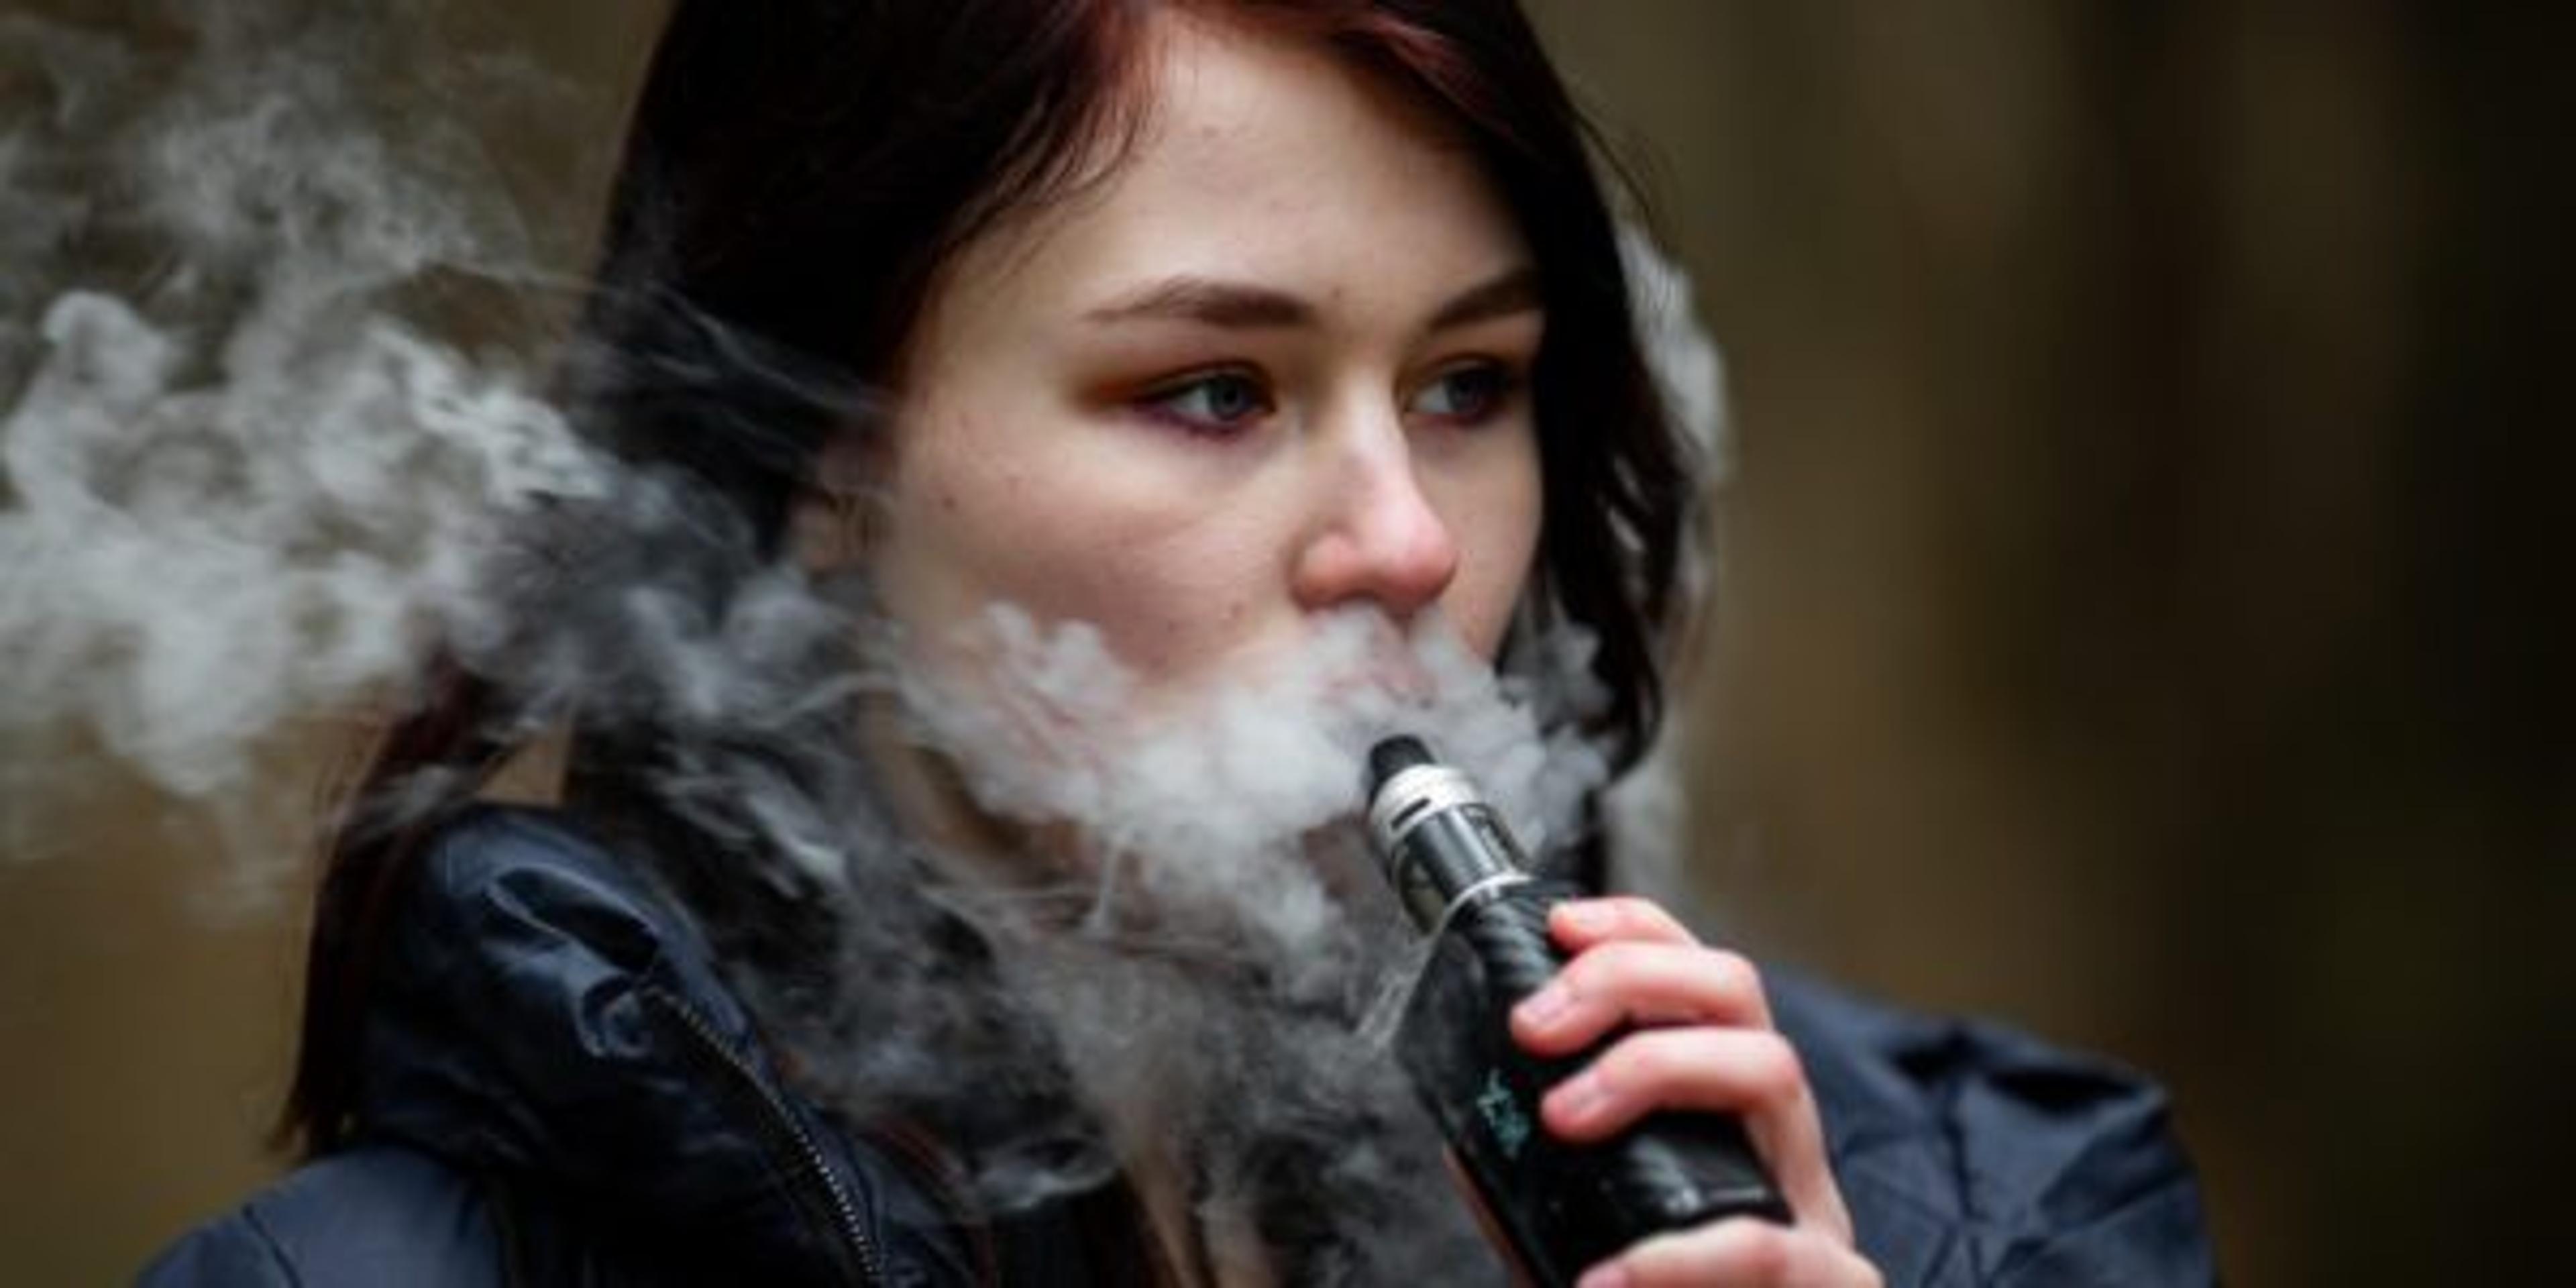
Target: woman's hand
<point>1703,1040</point>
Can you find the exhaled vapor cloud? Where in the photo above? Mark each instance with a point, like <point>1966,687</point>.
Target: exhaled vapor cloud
<point>240,486</point>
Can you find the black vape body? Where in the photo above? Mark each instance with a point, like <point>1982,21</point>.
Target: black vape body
<point>1562,1206</point>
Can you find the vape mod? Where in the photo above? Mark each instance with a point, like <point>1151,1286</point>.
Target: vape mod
<point>1562,1206</point>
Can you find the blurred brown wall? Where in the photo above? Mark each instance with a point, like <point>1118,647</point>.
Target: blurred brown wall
<point>2147,613</point>
<point>2140,618</point>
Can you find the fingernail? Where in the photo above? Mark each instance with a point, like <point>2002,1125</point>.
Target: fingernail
<point>1580,1098</point>
<point>1586,917</point>
<point>1542,1007</point>
<point>1604,1277</point>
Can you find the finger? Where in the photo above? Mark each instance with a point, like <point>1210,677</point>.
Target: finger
<point>1741,1251</point>
<point>1640,983</point>
<point>1738,1070</point>
<point>1578,924</point>
<point>1752,1073</point>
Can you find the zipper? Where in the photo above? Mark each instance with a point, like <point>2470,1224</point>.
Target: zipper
<point>786,1130</point>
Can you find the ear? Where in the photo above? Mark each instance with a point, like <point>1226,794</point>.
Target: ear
<point>832,523</point>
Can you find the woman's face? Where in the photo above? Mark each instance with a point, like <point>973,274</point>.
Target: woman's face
<point>1277,364</point>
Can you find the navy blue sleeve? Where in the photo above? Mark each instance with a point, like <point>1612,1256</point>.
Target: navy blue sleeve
<point>1975,1156</point>
<point>2075,1172</point>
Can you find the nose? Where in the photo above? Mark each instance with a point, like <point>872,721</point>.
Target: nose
<point>1377,537</point>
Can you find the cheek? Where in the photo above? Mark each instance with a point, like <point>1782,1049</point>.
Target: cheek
<point>1075,534</point>
<point>1497,526</point>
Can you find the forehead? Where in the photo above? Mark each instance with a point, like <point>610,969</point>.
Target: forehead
<point>1262,155</point>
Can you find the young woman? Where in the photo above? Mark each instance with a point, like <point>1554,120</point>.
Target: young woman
<point>1007,396</point>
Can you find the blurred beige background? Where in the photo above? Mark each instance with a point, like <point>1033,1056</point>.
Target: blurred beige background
<point>2142,616</point>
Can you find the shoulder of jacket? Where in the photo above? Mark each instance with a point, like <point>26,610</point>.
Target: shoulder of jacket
<point>378,1215</point>
<point>496,874</point>
<point>486,843</point>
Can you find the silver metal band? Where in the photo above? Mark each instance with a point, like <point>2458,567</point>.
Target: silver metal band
<point>1413,795</point>
<point>1497,881</point>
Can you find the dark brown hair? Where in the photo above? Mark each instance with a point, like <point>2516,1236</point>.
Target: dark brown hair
<point>796,174</point>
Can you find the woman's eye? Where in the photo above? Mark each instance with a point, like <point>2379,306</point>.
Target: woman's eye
<point>1216,403</point>
<point>1466,395</point>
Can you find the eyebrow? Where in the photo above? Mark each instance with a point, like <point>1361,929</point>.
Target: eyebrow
<point>1244,305</point>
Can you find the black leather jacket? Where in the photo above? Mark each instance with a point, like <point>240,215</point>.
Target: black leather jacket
<point>560,1091</point>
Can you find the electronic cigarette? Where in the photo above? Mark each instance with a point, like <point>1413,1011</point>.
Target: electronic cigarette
<point>1562,1206</point>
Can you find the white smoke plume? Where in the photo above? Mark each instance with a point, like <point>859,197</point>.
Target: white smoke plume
<point>241,487</point>
<point>1251,762</point>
